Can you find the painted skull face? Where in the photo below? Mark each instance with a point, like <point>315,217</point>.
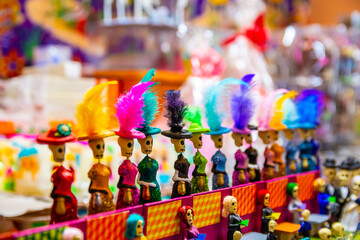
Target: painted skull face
<point>356,186</point>
<point>127,146</point>
<point>238,139</point>
<point>274,135</point>
<point>325,234</point>
<point>265,137</point>
<point>344,177</point>
<point>295,192</point>
<point>304,133</point>
<point>247,137</point>
<point>179,144</point>
<point>321,186</point>
<point>190,217</point>
<point>139,228</point>
<point>197,140</point>
<point>233,206</point>
<point>272,225</point>
<point>98,147</point>
<point>289,134</point>
<point>146,144</point>
<point>267,200</point>
<point>218,141</point>
<point>330,173</point>
<point>338,229</point>
<point>58,152</point>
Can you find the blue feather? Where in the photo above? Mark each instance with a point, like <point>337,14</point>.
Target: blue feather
<point>151,101</point>
<point>310,104</point>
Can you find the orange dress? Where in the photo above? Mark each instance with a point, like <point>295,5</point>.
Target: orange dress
<point>278,152</point>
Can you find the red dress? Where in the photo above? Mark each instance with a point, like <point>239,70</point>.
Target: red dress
<point>62,179</point>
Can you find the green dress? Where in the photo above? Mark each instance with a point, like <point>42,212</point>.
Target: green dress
<point>148,168</point>
<point>199,182</point>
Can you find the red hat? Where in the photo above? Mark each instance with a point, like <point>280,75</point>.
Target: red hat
<point>62,134</point>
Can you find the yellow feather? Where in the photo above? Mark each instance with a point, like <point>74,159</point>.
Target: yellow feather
<point>92,114</point>
<point>276,120</point>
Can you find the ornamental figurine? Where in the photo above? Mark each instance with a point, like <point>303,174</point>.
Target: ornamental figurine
<point>135,227</point>
<point>129,114</point>
<point>64,207</point>
<point>342,192</point>
<point>267,214</point>
<point>330,173</point>
<point>235,223</point>
<point>148,166</point>
<point>253,168</point>
<point>175,109</point>
<point>242,109</point>
<point>295,206</point>
<point>199,181</point>
<point>186,215</point>
<point>93,122</point>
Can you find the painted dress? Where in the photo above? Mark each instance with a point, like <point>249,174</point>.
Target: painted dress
<point>265,212</point>
<point>234,221</point>
<point>292,165</point>
<point>148,168</point>
<point>181,188</point>
<point>128,192</point>
<point>101,199</point>
<point>240,174</point>
<point>279,163</point>
<point>220,177</point>
<point>62,179</point>
<point>268,172</point>
<point>253,168</point>
<point>306,151</point>
<point>199,181</point>
<point>190,233</point>
<point>315,151</point>
<point>295,207</point>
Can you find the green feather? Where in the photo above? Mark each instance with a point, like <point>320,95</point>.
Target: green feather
<point>193,115</point>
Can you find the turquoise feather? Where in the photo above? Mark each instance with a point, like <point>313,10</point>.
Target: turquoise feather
<point>151,101</point>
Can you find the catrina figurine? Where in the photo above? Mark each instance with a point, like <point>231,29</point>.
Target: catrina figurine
<point>175,110</point>
<point>215,114</point>
<point>64,207</point>
<point>186,215</point>
<point>267,213</point>
<point>242,109</point>
<point>253,168</point>
<point>199,181</point>
<point>93,118</point>
<point>309,103</point>
<point>135,227</point>
<point>148,166</point>
<point>129,114</point>
<point>235,223</point>
<point>277,125</point>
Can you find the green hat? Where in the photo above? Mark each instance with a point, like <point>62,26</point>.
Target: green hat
<point>193,115</point>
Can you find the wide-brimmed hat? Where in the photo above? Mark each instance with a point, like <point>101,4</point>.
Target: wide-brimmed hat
<point>330,163</point>
<point>348,164</point>
<point>244,131</point>
<point>57,136</point>
<point>219,131</point>
<point>103,134</point>
<point>130,135</point>
<point>149,130</point>
<point>196,128</point>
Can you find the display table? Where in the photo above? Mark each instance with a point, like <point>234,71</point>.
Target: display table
<point>286,230</point>
<point>317,221</point>
<point>254,235</point>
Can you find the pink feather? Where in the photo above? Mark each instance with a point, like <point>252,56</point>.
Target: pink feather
<point>129,107</point>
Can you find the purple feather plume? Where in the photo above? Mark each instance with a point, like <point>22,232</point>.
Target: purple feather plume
<point>242,108</point>
<point>175,109</point>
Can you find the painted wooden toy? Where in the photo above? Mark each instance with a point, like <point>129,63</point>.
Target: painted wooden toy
<point>267,213</point>
<point>234,220</point>
<point>295,206</point>
<point>135,227</point>
<point>186,215</point>
<point>350,216</point>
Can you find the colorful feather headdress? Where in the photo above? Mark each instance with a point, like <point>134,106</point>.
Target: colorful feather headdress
<point>193,115</point>
<point>129,111</point>
<point>151,106</point>
<point>215,104</point>
<point>175,109</point>
<point>92,114</point>
<point>242,106</point>
<point>277,119</point>
<point>310,104</point>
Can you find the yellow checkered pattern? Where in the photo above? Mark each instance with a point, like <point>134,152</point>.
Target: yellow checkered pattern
<point>306,187</point>
<point>207,209</point>
<point>109,227</point>
<point>162,220</point>
<point>277,191</point>
<point>246,198</point>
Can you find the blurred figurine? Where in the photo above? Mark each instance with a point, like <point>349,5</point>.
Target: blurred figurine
<point>342,192</point>
<point>72,233</point>
<point>186,214</point>
<point>135,227</point>
<point>199,181</point>
<point>93,118</point>
<point>175,110</point>
<point>338,231</point>
<point>129,113</point>
<point>305,227</point>
<point>242,109</point>
<point>234,220</point>
<point>333,209</point>
<point>350,216</point>
<point>325,234</point>
<point>64,207</point>
<point>323,197</point>
<point>253,168</point>
<point>148,166</point>
<point>330,173</point>
<point>267,214</point>
<point>271,226</point>
<point>295,205</point>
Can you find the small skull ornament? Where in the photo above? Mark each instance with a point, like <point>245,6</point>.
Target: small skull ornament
<point>325,234</point>
<point>356,185</point>
<point>58,152</point>
<point>197,140</point>
<point>146,144</point>
<point>218,140</point>
<point>344,177</point>
<point>304,133</point>
<point>179,144</point>
<point>265,137</point>
<point>248,138</point>
<point>98,147</point>
<point>289,134</point>
<point>238,139</point>
<point>274,135</point>
<point>126,146</point>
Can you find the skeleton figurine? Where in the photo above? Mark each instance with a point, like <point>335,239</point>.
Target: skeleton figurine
<point>330,173</point>
<point>129,113</point>
<point>175,110</point>
<point>92,121</point>
<point>253,168</point>
<point>64,207</point>
<point>268,171</point>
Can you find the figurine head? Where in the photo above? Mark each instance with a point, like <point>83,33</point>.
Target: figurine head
<point>319,185</point>
<point>146,144</point>
<point>292,190</point>
<point>272,225</point>
<point>127,146</point>
<point>218,140</point>
<point>58,152</point>
<point>265,137</point>
<point>274,135</point>
<point>356,185</point>
<point>134,226</point>
<point>247,137</point>
<point>264,197</point>
<point>238,138</point>
<point>338,229</point>
<point>197,140</point>
<point>229,205</point>
<point>325,234</point>
<point>330,169</point>
<point>186,214</point>
<point>306,215</point>
<point>98,147</point>
<point>72,233</point>
<point>179,144</point>
<point>344,177</point>
<point>289,133</point>
<point>304,133</point>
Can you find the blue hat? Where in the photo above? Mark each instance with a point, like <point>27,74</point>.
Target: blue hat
<point>219,131</point>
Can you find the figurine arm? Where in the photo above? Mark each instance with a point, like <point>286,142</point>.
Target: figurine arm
<point>121,179</point>
<point>176,177</point>
<point>144,183</point>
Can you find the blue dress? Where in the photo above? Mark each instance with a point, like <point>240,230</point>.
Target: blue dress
<point>306,151</point>
<point>219,162</point>
<point>323,199</point>
<point>291,150</point>
<point>315,149</point>
<point>305,229</point>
